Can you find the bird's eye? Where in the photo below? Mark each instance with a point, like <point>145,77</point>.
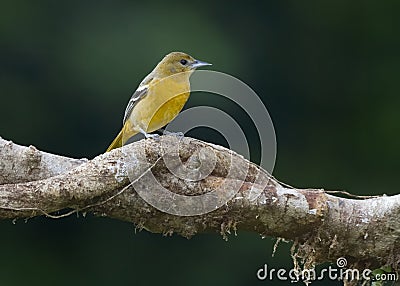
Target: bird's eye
<point>183,61</point>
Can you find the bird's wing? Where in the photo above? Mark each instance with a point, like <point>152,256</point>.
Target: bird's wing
<point>139,94</point>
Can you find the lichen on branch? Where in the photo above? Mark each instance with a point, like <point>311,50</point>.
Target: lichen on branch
<point>324,227</point>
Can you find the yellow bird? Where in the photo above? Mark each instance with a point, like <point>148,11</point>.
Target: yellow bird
<point>159,98</point>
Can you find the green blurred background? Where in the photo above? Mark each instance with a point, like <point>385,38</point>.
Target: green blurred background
<point>328,72</point>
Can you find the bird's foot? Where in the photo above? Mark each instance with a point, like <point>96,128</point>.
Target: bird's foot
<point>152,136</point>
<point>156,137</point>
<point>176,134</point>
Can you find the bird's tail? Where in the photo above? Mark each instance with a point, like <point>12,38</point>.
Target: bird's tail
<point>120,140</point>
<point>116,143</point>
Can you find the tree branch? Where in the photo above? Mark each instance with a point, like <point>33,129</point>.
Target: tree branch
<point>323,227</point>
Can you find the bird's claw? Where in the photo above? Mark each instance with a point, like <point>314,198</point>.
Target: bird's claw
<point>156,137</point>
<point>177,134</point>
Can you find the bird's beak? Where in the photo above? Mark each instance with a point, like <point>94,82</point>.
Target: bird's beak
<point>197,64</point>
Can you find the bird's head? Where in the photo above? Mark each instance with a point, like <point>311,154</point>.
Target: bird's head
<point>178,62</point>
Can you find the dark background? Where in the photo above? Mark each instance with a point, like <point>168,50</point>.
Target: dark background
<point>328,72</point>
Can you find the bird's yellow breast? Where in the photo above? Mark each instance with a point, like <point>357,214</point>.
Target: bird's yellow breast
<point>164,100</point>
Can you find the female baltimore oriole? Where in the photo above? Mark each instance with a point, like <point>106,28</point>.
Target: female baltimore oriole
<point>159,98</point>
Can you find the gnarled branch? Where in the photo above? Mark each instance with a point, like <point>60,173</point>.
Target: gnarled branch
<point>324,227</point>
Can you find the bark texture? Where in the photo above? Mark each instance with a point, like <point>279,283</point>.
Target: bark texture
<point>324,227</point>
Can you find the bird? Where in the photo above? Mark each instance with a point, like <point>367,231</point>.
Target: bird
<point>159,97</point>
